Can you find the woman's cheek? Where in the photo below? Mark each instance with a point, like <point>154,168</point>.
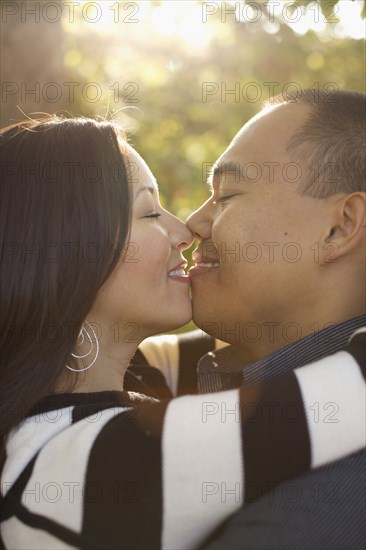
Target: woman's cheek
<point>155,249</point>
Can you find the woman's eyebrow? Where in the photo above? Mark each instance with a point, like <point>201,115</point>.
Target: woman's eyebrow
<point>145,188</point>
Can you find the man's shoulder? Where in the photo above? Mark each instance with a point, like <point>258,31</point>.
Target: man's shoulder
<point>322,509</point>
<point>330,487</point>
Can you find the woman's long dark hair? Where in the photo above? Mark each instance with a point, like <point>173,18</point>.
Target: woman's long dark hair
<point>64,222</point>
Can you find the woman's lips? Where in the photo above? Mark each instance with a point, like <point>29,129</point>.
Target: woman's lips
<point>179,275</point>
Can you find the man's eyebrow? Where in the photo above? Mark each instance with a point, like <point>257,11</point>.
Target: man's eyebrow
<point>222,167</point>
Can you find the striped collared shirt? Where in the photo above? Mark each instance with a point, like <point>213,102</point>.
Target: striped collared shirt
<point>230,367</point>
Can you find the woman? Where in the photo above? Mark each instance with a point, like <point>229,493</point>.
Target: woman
<point>91,266</point>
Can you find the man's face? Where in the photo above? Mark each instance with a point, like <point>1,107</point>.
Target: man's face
<point>262,240</point>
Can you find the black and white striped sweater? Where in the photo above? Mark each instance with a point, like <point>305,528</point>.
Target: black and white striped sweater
<point>114,470</point>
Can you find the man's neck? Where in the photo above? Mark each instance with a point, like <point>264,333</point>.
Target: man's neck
<point>276,335</point>
<point>308,349</point>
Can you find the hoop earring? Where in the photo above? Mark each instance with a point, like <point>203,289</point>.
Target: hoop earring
<point>81,337</point>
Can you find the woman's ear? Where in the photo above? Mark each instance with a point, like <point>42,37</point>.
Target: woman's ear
<point>348,231</point>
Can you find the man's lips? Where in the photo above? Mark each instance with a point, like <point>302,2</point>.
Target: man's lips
<point>205,255</point>
<point>204,261</point>
<point>202,267</point>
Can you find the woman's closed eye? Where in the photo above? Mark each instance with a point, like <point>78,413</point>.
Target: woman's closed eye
<point>154,215</point>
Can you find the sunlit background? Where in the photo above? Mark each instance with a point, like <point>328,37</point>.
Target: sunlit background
<point>180,76</point>
<point>165,69</point>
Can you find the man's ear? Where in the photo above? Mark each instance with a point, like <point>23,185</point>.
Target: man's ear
<point>348,229</point>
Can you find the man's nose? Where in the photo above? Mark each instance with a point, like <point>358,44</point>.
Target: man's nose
<point>200,221</point>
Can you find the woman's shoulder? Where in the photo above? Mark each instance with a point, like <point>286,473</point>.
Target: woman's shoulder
<point>64,424</point>
<point>89,459</point>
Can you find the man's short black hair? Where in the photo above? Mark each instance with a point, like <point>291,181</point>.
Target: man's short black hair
<point>332,141</point>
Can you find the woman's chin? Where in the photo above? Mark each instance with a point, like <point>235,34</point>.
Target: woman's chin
<point>173,321</point>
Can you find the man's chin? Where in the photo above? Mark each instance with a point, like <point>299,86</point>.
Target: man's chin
<point>204,318</point>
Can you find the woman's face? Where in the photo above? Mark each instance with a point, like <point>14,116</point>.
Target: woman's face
<point>148,291</point>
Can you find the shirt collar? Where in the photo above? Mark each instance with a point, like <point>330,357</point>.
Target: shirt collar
<point>231,366</point>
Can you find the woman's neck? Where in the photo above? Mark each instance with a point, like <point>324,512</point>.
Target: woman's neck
<point>106,374</point>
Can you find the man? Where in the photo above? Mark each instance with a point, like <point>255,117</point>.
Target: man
<point>284,228</point>
<point>295,189</point>
<point>280,275</point>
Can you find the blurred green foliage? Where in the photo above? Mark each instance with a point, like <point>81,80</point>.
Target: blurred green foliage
<point>164,66</point>
<point>174,127</point>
